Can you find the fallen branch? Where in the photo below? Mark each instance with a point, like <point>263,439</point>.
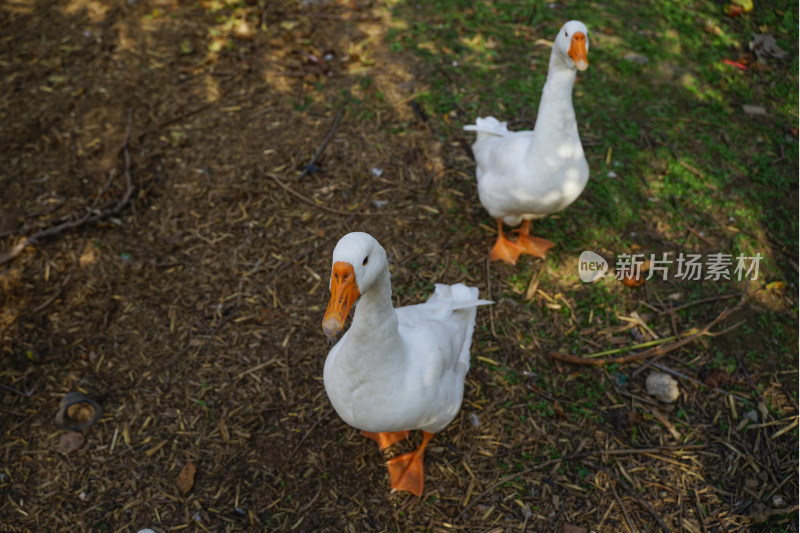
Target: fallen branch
<point>309,167</point>
<point>660,350</point>
<point>21,229</point>
<point>88,218</point>
<point>648,344</point>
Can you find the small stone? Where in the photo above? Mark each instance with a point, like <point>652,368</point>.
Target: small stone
<point>69,442</point>
<point>662,386</point>
<point>751,415</point>
<point>633,57</point>
<point>754,109</point>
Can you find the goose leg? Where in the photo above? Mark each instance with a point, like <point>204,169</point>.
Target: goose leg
<point>406,470</point>
<point>386,438</point>
<point>503,249</point>
<point>528,244</point>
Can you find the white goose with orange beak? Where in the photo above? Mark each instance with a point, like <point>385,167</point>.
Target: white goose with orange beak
<point>399,369</point>
<point>526,175</point>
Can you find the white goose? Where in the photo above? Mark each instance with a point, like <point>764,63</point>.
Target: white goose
<point>526,175</point>
<point>399,369</point>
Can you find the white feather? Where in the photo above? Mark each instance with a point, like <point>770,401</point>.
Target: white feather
<point>399,369</point>
<point>530,174</point>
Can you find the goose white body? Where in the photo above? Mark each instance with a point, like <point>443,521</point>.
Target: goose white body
<point>399,369</point>
<point>525,175</point>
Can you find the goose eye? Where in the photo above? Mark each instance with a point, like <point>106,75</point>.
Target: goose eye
<point>565,33</point>
<point>366,260</point>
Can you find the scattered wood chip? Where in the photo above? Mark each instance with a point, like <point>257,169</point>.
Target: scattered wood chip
<point>569,528</point>
<point>186,478</point>
<point>667,424</point>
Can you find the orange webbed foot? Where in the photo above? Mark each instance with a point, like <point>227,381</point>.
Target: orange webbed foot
<point>386,438</point>
<point>528,244</point>
<point>406,471</point>
<point>504,249</point>
<point>534,246</point>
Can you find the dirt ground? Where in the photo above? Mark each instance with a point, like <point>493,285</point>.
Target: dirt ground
<point>159,153</point>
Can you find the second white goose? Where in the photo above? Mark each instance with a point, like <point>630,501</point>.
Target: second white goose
<point>526,175</point>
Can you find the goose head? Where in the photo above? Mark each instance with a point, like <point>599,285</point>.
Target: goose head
<point>358,262</point>
<point>572,42</point>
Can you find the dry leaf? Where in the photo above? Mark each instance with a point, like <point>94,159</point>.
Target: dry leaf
<point>569,528</point>
<point>558,410</point>
<point>69,442</point>
<point>186,478</point>
<point>733,10</point>
<point>776,286</point>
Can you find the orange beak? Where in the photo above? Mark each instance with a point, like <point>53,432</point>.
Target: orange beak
<point>577,51</point>
<point>344,293</point>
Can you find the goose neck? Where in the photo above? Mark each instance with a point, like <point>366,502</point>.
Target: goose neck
<point>374,314</point>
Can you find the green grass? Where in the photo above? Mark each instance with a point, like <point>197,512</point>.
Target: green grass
<point>684,98</point>
<point>670,149</point>
<point>684,152</point>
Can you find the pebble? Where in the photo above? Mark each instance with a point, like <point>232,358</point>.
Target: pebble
<point>662,386</point>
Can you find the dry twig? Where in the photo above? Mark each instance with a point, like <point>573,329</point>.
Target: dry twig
<point>697,302</point>
<point>89,217</point>
<point>328,138</point>
<point>578,455</point>
<point>658,351</point>
<point>624,510</point>
<point>307,434</point>
<point>631,492</point>
<point>327,209</point>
